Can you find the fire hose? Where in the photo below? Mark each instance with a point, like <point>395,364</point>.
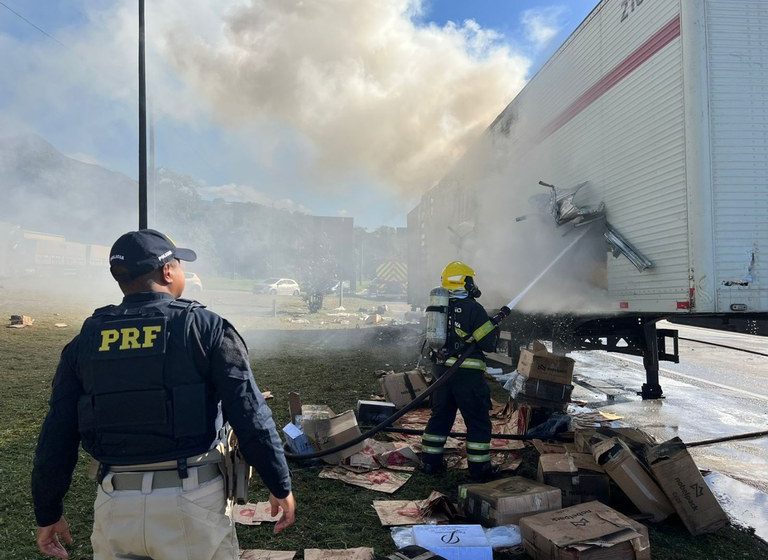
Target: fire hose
<point>441,381</point>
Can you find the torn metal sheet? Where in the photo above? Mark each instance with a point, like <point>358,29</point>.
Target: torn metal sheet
<point>620,246</point>
<point>564,210</point>
<point>748,277</point>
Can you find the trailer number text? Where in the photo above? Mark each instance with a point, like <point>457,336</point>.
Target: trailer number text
<point>628,7</point>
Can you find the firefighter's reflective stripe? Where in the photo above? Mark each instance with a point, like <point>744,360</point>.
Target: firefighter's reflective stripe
<point>482,331</point>
<point>433,450</point>
<point>430,437</point>
<point>474,446</point>
<point>469,363</point>
<point>460,332</point>
<point>479,458</point>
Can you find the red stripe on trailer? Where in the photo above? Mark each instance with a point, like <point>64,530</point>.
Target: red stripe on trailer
<point>683,304</point>
<point>623,305</point>
<point>660,39</point>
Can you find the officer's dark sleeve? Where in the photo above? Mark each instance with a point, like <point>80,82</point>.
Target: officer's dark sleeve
<point>248,412</point>
<point>481,325</point>
<point>56,453</point>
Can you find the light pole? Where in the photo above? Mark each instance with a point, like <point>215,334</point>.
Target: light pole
<point>142,123</point>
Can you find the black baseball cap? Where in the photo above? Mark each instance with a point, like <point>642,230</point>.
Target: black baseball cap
<point>139,252</point>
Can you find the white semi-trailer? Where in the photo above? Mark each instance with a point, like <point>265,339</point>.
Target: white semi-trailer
<point>660,107</point>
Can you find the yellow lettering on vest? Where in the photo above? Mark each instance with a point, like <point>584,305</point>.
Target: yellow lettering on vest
<point>108,337</point>
<point>150,334</point>
<point>129,338</point>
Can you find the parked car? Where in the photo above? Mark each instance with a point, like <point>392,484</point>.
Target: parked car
<point>193,281</point>
<point>277,286</point>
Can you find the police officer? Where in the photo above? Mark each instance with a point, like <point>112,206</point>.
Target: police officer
<point>146,387</point>
<point>466,390</point>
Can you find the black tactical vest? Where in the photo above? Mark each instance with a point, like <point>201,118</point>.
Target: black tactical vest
<point>146,394</point>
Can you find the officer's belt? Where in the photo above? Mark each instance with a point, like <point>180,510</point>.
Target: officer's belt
<point>162,479</point>
<point>209,457</point>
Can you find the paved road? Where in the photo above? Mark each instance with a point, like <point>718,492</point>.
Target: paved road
<point>713,392</point>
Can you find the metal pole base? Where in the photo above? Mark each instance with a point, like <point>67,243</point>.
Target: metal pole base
<point>650,392</point>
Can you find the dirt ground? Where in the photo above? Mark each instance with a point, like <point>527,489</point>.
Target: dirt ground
<point>333,367</point>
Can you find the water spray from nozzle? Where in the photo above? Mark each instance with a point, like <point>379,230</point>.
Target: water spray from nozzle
<point>513,303</point>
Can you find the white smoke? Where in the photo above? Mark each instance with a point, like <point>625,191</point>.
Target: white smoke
<point>369,87</point>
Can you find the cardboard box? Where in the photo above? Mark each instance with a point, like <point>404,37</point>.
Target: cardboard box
<point>549,406</point>
<point>297,441</point>
<point>402,388</point>
<point>538,388</point>
<point>584,439</point>
<point>577,475</point>
<point>539,363</point>
<point>374,412</point>
<point>326,431</point>
<point>630,475</point>
<point>545,448</point>
<point>454,542</point>
<point>680,479</point>
<point>591,531</point>
<point>505,501</point>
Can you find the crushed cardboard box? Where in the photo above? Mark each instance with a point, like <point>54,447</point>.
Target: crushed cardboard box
<point>577,475</point>
<point>436,509</point>
<point>630,475</point>
<point>507,500</point>
<point>545,448</point>
<point>382,480</point>
<point>680,479</point>
<point>591,531</point>
<point>414,552</point>
<point>535,388</point>
<point>454,542</point>
<point>361,553</point>
<point>255,554</point>
<point>254,514</point>
<point>374,412</point>
<point>401,388</point>
<point>325,429</point>
<point>538,363</point>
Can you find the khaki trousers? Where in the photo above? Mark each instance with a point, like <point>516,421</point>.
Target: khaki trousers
<point>190,523</point>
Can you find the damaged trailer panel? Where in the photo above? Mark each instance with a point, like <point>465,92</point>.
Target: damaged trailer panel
<point>658,116</point>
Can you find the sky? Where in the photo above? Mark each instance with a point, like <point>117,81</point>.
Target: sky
<point>332,107</point>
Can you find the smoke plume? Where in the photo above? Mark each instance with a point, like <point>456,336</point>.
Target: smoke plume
<point>371,89</point>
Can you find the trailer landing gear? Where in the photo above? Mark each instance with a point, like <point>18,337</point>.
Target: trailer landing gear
<point>633,335</point>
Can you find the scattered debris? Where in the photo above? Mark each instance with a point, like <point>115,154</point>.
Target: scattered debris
<point>577,475</point>
<point>680,479</point>
<point>414,552</point>
<point>20,321</point>
<point>341,554</point>
<point>325,430</point>
<point>254,514</point>
<point>506,501</point>
<point>628,473</point>
<point>254,554</point>
<point>373,412</point>
<point>382,480</point>
<point>373,319</point>
<point>267,395</point>
<point>298,320</point>
<point>401,388</point>
<point>60,325</point>
<point>454,541</point>
<point>296,440</point>
<point>585,531</point>
<point>436,509</point>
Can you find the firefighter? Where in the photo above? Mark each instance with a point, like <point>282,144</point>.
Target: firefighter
<point>466,390</point>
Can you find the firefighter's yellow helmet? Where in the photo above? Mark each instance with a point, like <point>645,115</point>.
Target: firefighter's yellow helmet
<point>455,274</point>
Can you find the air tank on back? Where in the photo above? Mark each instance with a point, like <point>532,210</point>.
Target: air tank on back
<point>437,318</point>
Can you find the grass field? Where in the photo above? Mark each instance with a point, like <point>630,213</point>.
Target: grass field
<point>332,368</point>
